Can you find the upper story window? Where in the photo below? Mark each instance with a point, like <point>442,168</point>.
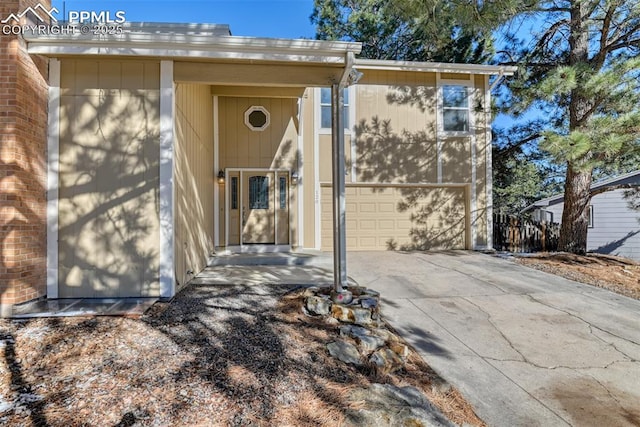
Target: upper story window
<point>325,108</point>
<point>455,108</point>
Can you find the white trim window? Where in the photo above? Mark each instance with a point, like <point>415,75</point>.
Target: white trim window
<point>456,111</point>
<point>325,109</point>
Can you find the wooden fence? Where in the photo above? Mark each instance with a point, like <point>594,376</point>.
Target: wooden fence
<point>516,234</point>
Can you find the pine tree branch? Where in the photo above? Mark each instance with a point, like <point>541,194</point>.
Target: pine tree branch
<point>607,188</point>
<point>554,9</point>
<point>551,31</point>
<point>628,43</point>
<point>601,56</point>
<point>520,143</point>
<point>594,106</point>
<point>622,41</point>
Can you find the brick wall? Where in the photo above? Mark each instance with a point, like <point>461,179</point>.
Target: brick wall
<point>23,166</point>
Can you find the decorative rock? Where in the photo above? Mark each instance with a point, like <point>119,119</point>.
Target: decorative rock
<point>344,351</point>
<point>438,385</point>
<point>310,291</point>
<point>362,316</point>
<point>386,360</point>
<point>399,349</point>
<point>331,321</point>
<point>386,334</point>
<point>369,343</point>
<point>387,405</point>
<point>353,331</point>
<point>369,303</point>
<point>343,313</point>
<point>318,305</point>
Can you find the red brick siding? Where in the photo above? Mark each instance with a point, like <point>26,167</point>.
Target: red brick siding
<point>23,166</point>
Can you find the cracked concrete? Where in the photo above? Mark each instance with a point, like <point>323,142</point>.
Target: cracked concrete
<point>525,347</point>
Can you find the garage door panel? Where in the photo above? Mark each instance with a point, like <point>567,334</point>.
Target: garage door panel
<point>406,218</point>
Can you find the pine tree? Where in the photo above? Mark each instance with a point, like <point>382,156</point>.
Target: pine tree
<point>583,71</point>
<point>402,30</point>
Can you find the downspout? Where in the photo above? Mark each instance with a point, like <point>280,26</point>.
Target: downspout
<point>338,184</point>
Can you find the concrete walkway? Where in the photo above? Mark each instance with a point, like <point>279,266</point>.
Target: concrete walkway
<point>526,348</point>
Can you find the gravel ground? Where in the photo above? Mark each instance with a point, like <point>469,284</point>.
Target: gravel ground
<point>233,356</point>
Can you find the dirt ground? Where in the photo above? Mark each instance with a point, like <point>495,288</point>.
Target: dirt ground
<point>232,356</point>
<point>617,274</point>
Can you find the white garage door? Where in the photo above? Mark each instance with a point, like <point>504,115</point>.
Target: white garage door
<point>400,217</point>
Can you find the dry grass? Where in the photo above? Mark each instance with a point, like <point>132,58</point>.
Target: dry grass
<point>228,356</point>
<point>617,274</point>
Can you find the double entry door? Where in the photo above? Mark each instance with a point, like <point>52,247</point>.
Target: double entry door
<point>258,210</point>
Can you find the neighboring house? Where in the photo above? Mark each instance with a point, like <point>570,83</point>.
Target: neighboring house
<point>170,142</point>
<point>614,228</point>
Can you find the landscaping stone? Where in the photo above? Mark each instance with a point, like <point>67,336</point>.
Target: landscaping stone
<point>357,290</point>
<point>359,320</point>
<point>369,303</point>
<point>386,360</point>
<point>318,305</point>
<point>369,343</point>
<point>344,351</point>
<point>354,331</point>
<point>311,291</point>
<point>388,405</point>
<point>343,313</point>
<point>399,349</point>
<point>362,316</point>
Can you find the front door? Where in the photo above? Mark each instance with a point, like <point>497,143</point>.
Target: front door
<point>258,208</point>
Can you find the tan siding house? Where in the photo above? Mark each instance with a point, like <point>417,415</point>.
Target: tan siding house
<point>164,151</point>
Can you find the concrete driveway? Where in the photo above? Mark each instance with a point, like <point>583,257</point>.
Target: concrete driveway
<point>526,348</point>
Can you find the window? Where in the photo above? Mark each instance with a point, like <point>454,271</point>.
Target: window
<point>258,192</point>
<point>283,192</point>
<point>257,118</point>
<point>325,108</point>
<point>455,108</point>
<point>234,192</point>
<point>590,213</point>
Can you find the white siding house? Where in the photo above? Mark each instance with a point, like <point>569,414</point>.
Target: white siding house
<point>614,227</point>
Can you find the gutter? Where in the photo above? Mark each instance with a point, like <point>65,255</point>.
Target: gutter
<point>434,67</point>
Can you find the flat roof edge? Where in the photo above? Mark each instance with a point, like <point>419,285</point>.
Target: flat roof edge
<point>182,37</point>
<point>442,67</point>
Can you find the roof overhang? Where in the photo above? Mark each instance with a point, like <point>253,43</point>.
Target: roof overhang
<point>434,67</point>
<point>184,42</point>
<point>239,60</point>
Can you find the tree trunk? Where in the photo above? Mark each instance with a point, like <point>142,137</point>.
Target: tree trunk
<point>575,216</point>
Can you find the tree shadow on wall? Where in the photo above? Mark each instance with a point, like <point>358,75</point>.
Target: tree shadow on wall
<point>108,201</point>
<point>437,216</point>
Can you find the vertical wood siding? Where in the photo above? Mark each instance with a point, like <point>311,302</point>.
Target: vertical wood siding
<point>109,167</point>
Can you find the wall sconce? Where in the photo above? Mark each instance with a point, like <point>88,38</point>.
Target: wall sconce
<point>294,178</point>
<point>221,177</point>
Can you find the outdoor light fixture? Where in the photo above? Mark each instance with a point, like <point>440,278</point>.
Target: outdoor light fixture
<point>221,177</point>
<point>294,178</point>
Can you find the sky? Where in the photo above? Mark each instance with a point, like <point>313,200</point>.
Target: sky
<point>272,18</point>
